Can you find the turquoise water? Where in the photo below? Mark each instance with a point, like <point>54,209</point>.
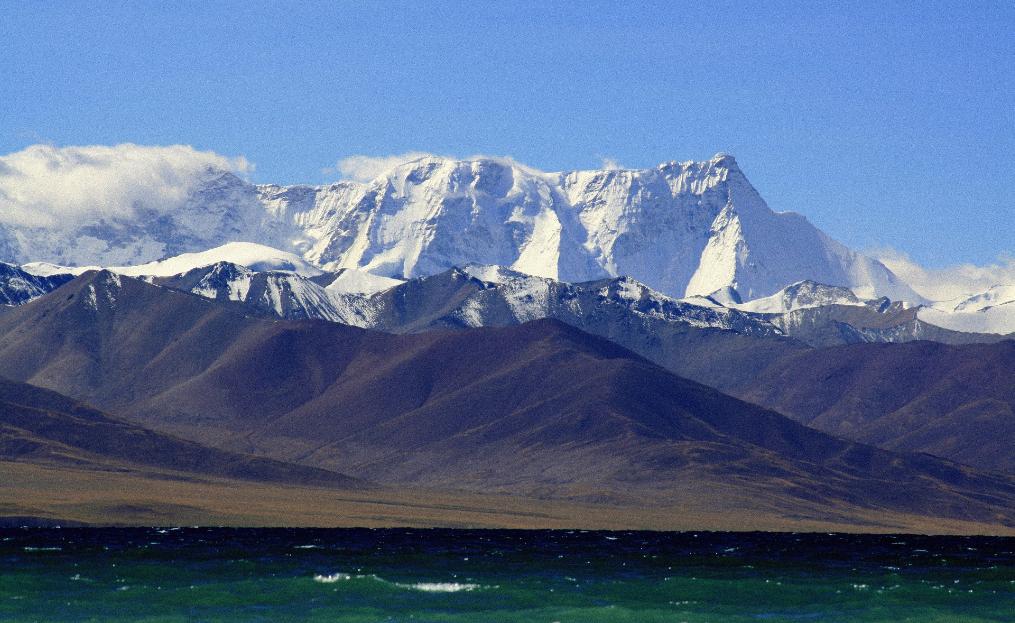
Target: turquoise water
<point>477,576</point>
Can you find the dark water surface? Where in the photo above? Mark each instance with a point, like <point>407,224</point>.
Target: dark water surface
<point>75,574</point>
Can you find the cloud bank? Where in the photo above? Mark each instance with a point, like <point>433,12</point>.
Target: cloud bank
<point>942,284</point>
<point>45,186</point>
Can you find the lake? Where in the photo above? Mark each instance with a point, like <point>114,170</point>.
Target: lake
<point>346,575</point>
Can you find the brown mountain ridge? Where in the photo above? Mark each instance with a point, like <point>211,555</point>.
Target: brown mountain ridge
<point>541,409</point>
<point>41,426</point>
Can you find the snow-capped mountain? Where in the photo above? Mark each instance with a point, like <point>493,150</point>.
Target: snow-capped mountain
<point>256,257</point>
<point>18,286</point>
<point>474,297</point>
<point>993,297</point>
<point>823,315</point>
<point>279,283</point>
<point>802,295</point>
<point>992,311</point>
<point>682,228</point>
<point>526,298</point>
<point>686,228</point>
<point>283,294</point>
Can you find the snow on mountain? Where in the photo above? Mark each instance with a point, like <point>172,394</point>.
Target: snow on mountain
<point>529,297</point>
<point>801,295</point>
<point>474,297</point>
<point>726,296</point>
<point>696,227</point>
<point>284,294</point>
<point>823,315</point>
<point>992,311</point>
<point>295,298</point>
<point>999,319</point>
<point>815,313</point>
<point>993,297</point>
<point>488,295</point>
<point>102,293</point>
<point>256,257</point>
<point>47,269</point>
<point>18,286</point>
<point>682,228</point>
<point>426,216</point>
<point>354,281</point>
<point>221,281</point>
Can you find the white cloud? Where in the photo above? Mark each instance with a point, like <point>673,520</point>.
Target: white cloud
<point>43,185</point>
<point>942,284</point>
<point>611,164</point>
<point>365,168</point>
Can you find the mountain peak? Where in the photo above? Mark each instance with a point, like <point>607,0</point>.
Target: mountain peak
<point>724,159</point>
<point>682,229</point>
<point>802,295</point>
<point>99,289</point>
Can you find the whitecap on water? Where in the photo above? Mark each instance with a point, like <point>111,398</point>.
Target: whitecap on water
<point>332,578</point>
<point>426,587</point>
<point>440,587</point>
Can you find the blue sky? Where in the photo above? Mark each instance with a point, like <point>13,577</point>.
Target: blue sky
<point>886,125</point>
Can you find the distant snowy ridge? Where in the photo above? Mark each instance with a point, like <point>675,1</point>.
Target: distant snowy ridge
<point>501,296</point>
<point>282,284</point>
<point>992,311</point>
<point>682,228</point>
<point>993,297</point>
<point>18,286</point>
<point>802,295</point>
<point>256,257</point>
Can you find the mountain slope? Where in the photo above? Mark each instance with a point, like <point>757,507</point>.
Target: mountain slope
<point>721,346</point>
<point>953,401</point>
<point>41,426</point>
<point>537,409</point>
<point>692,340</point>
<point>711,345</point>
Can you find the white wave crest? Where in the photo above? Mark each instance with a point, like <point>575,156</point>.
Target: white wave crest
<point>440,587</point>
<point>332,578</point>
<point>425,587</point>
